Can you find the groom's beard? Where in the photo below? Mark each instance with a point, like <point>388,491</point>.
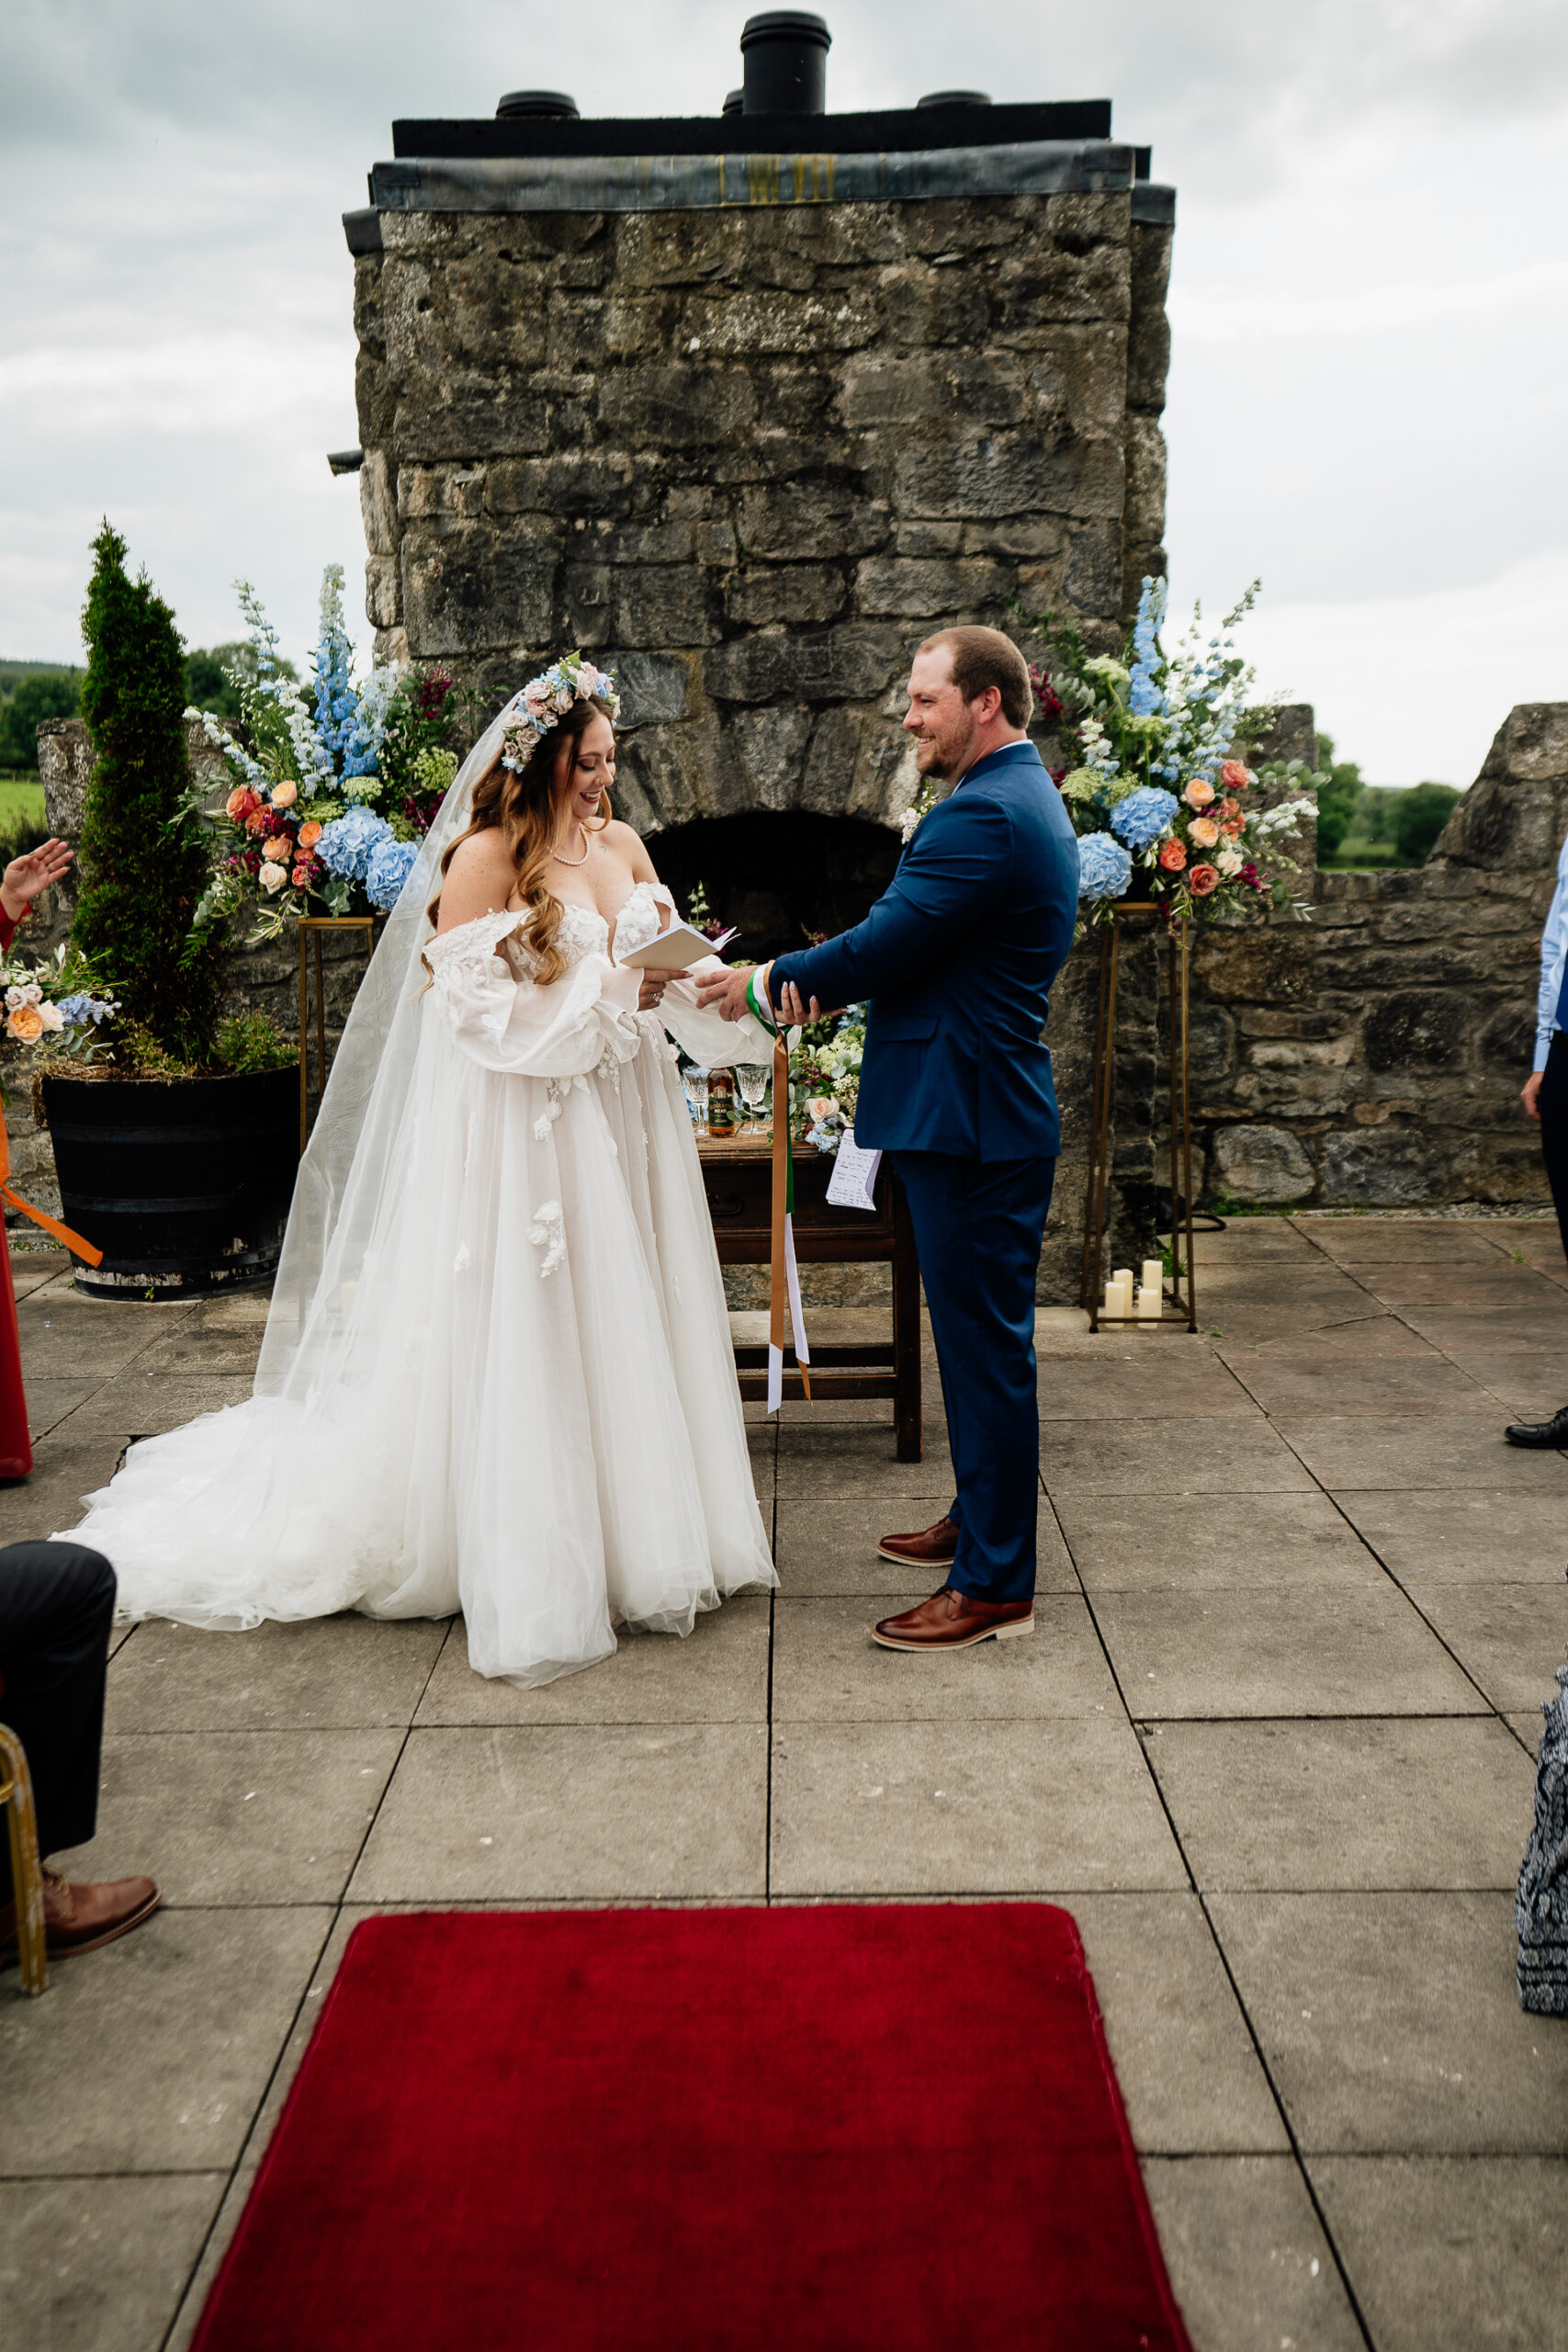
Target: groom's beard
<point>950,755</point>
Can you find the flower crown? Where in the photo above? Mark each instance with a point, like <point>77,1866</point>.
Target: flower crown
<point>545,700</point>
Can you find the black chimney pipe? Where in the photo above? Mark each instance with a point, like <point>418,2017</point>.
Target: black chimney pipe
<point>542,106</point>
<point>785,56</point>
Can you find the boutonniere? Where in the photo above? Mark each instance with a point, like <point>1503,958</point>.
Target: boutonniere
<point>921,806</point>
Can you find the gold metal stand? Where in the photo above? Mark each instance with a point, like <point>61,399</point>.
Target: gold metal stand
<point>317,924</point>
<point>27,1878</point>
<point>1179,1305</point>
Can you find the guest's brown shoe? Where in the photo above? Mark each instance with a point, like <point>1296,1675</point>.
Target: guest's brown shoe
<point>952,1621</point>
<point>80,1918</point>
<point>933,1547</point>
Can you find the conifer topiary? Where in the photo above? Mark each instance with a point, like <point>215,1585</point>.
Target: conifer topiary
<point>143,861</point>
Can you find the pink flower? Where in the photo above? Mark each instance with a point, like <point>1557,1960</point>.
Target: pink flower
<point>1203,879</point>
<point>1236,776</point>
<point>536,696</point>
<point>1198,794</point>
<point>1172,856</point>
<point>1204,832</point>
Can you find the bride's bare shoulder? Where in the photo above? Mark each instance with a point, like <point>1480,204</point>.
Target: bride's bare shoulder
<point>479,879</point>
<point>627,843</point>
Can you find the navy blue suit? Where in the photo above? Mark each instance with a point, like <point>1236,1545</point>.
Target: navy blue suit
<point>956,960</point>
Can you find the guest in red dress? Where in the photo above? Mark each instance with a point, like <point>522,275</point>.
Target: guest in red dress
<point>24,879</point>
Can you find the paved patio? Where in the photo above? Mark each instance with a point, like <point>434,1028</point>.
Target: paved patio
<point>1271,1745</point>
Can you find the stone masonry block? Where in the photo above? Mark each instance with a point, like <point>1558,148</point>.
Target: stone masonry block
<point>748,324</point>
<point>765,753</point>
<point>912,387</point>
<point>1080,374</point>
<point>660,605</point>
<point>809,520</point>
<point>1377,1167</point>
<point>922,590</point>
<point>847,664</point>
<point>1261,1165</point>
<point>588,483</point>
<point>1009,474</point>
<point>475,587</point>
<point>785,592</point>
<point>383,592</point>
<point>1414,1028</point>
<point>378,504</point>
<point>665,406</point>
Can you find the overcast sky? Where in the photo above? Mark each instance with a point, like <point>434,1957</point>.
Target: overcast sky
<point>1370,300</point>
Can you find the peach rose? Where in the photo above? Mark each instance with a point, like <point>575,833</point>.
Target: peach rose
<point>309,833</point>
<point>258,820</point>
<point>1236,776</point>
<point>1198,794</point>
<point>1204,832</point>
<point>1172,856</point>
<point>280,847</point>
<point>1234,827</point>
<point>1228,809</point>
<point>1203,879</point>
<point>301,876</point>
<point>26,1023</point>
<point>238,803</point>
<point>285,794</point>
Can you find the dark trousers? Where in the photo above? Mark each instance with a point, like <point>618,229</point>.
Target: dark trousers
<point>978,1226</point>
<point>1553,1104</point>
<point>56,1610</point>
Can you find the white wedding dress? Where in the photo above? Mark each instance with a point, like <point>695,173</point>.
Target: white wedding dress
<point>496,1374</point>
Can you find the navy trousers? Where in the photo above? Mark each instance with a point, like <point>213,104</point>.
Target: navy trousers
<point>978,1227</point>
<point>56,1615</point>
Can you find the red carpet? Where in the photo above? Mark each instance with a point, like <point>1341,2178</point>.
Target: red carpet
<point>861,2127</point>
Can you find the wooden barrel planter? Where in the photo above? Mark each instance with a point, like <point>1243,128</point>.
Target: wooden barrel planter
<point>183,1184</point>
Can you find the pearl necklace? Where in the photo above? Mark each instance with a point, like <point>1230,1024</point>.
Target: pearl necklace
<point>587,845</point>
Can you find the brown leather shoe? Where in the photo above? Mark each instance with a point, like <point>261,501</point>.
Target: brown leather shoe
<point>933,1547</point>
<point>952,1621</point>
<point>80,1918</point>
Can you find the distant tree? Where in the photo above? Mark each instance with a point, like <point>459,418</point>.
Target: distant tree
<point>1419,817</point>
<point>23,713</point>
<point>1337,799</point>
<point>144,863</point>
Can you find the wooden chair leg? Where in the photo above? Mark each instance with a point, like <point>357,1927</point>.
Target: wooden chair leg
<point>26,1876</point>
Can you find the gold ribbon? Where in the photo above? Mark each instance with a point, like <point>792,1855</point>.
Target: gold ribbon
<point>72,1241</point>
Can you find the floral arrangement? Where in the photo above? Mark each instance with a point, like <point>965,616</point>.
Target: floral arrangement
<point>341,782</point>
<point>52,1012</point>
<point>1159,790</point>
<point>701,916</point>
<point>544,701</point>
<point>828,1075</point>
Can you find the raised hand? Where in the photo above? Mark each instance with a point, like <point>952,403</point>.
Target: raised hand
<point>27,878</point>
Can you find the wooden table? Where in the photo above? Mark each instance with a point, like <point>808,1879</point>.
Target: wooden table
<point>738,1175</point>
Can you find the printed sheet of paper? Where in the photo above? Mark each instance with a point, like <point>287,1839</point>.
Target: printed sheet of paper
<point>674,949</point>
<point>854,1175</point>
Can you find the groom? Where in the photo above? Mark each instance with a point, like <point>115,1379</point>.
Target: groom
<point>956,958</point>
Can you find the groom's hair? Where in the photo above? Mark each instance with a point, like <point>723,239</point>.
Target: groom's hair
<point>982,658</point>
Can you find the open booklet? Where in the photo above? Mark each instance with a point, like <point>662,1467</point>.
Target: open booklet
<point>674,949</point>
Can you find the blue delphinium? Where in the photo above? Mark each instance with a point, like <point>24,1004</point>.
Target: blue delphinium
<point>1104,867</point>
<point>392,863</point>
<point>350,842</point>
<point>1144,697</point>
<point>1143,815</point>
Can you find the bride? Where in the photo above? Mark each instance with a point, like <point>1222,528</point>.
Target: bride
<point>497,1370</point>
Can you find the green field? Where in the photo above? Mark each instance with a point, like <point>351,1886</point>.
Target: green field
<point>21,802</point>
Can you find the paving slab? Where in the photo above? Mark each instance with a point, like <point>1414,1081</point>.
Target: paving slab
<point>130,1407</point>
<point>1390,2024</point>
<point>1246,2256</point>
<point>65,1338</point>
<point>1431,1450</point>
<point>1404,1241</point>
<point>1497,1283</point>
<point>67,1465</point>
<point>858,1460</point>
<point>1046,1807</point>
<point>1270,1316</point>
<point>337,1672</point>
<point>1379,1334</point>
<point>1494,1330</point>
<point>1332,1650</point>
<point>1511,1637</point>
<point>197,1350</point>
<point>823,1548</point>
<point>1504,1534</point>
<point>1167,1456</point>
<point>827,1668</point>
<point>1419,1803</point>
<point>1187,2065</point>
<point>1292,1382</point>
<point>717,1674</point>
<point>1528,1387</point>
<point>1447,2254</point>
<point>30,1269</point>
<point>608,1812</point>
<point>96,2265</point>
<point>164,2040</point>
<point>1249,1240</point>
<point>1133,1384</point>
<point>1526,1727</point>
<point>1182,1543</point>
<point>237,1817</point>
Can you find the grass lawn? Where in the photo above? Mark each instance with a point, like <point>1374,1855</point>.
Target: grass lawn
<point>21,801</point>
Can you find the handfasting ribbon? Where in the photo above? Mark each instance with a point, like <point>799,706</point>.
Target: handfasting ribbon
<point>782,1273</point>
<point>73,1241</point>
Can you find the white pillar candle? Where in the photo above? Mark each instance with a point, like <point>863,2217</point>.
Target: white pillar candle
<point>1112,1299</point>
<point>1150,1302</point>
<point>1154,1274</point>
<point>1123,1276</point>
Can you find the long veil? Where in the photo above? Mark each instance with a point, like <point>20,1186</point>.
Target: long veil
<point>358,1143</point>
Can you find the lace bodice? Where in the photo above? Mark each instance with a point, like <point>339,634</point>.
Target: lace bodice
<point>583,931</point>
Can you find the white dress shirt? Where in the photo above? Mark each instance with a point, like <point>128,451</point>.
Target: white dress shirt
<point>1553,956</point>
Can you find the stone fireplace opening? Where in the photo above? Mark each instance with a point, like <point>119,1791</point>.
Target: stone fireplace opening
<point>778,876</point>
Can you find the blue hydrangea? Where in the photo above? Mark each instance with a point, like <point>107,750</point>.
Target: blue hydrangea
<point>1143,815</point>
<point>1104,867</point>
<point>392,863</point>
<point>350,842</point>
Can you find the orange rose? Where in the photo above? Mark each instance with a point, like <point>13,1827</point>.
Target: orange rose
<point>309,833</point>
<point>1203,879</point>
<point>1227,809</point>
<point>26,1023</point>
<point>1236,776</point>
<point>1204,832</point>
<point>1234,827</point>
<point>258,820</point>
<point>1172,856</point>
<point>237,804</point>
<point>285,794</point>
<point>1198,794</point>
<point>280,848</point>
<point>301,877</point>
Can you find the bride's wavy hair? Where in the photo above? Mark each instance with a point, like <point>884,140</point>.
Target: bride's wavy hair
<point>522,802</point>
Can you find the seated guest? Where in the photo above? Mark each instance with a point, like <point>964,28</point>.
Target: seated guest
<point>1545,1097</point>
<point>56,1610</point>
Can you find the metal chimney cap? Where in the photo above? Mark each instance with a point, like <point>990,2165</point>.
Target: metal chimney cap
<point>955,98</point>
<point>776,21</point>
<point>547,105</point>
<point>735,102</point>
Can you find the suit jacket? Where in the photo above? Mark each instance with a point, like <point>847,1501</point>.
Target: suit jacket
<point>956,958</point>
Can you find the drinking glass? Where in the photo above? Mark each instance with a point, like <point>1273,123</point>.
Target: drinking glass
<point>696,1082</point>
<point>752,1079</point>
